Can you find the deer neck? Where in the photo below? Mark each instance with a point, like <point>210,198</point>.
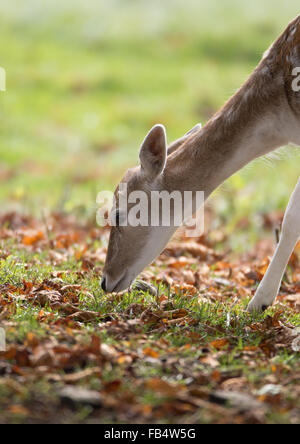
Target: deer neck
<point>257,120</point>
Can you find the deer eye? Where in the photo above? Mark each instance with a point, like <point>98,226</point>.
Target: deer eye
<point>115,218</point>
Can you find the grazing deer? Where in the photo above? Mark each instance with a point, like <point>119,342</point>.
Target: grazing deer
<point>262,116</point>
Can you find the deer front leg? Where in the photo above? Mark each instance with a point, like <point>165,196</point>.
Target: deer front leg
<point>270,285</point>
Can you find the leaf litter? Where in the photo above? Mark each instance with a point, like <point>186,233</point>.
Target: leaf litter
<point>179,347</point>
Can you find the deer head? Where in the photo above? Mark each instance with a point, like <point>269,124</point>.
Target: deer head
<point>133,248</point>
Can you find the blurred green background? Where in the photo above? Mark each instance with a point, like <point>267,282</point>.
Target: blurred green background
<point>86,81</point>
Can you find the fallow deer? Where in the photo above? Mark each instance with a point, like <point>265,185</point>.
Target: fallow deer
<point>262,116</point>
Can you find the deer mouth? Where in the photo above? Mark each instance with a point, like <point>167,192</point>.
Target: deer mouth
<point>114,287</point>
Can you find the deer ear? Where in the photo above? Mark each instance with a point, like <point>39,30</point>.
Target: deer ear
<point>177,144</point>
<point>153,153</point>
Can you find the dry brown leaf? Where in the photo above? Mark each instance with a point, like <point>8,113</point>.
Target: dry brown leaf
<point>32,237</point>
<point>85,316</point>
<point>219,344</point>
<point>210,360</point>
<point>150,352</point>
<point>84,374</point>
<point>160,386</point>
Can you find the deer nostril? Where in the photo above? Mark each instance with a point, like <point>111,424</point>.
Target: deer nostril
<point>103,284</point>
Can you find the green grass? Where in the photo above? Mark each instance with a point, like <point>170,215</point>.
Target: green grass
<point>179,351</point>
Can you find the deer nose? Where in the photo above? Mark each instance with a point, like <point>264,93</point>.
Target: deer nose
<point>103,284</point>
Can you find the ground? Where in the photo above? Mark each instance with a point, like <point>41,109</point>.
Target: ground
<point>182,351</point>
<point>84,85</point>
